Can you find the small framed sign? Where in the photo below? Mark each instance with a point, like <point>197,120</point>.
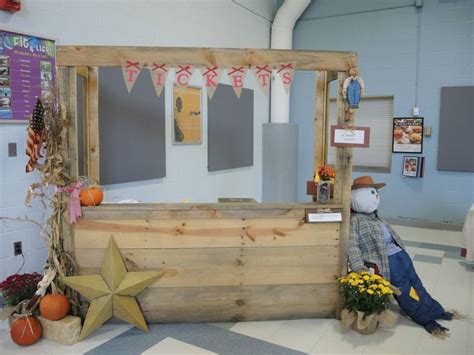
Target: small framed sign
<point>413,166</point>
<point>323,215</point>
<point>344,136</point>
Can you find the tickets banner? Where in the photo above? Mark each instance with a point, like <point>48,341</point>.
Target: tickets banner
<point>237,78</point>
<point>286,72</point>
<point>210,77</point>
<point>158,73</point>
<point>131,70</point>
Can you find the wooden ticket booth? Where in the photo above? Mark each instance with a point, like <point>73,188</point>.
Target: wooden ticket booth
<point>223,261</point>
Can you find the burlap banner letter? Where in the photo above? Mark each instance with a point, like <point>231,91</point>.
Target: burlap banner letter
<point>210,76</point>
<point>286,71</point>
<point>183,75</point>
<point>237,77</point>
<point>262,76</point>
<point>158,73</point>
<point>130,70</point>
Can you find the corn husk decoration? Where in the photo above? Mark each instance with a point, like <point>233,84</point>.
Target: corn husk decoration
<point>36,136</point>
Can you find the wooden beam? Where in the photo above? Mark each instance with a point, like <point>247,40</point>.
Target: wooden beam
<point>110,56</point>
<point>72,119</point>
<point>342,189</point>
<point>82,72</point>
<point>238,303</point>
<point>64,100</point>
<point>92,128</point>
<point>205,233</point>
<point>319,142</point>
<point>332,75</point>
<point>162,211</point>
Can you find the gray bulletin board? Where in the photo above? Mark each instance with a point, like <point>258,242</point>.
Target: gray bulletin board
<point>132,129</point>
<point>456,128</point>
<point>230,129</point>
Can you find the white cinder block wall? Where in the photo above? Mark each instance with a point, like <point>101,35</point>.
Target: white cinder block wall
<point>211,23</point>
<point>13,186</point>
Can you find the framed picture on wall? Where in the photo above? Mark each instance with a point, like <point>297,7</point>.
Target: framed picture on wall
<point>187,121</point>
<point>407,135</point>
<point>413,166</point>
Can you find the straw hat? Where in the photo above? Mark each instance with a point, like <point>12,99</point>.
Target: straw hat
<point>365,181</point>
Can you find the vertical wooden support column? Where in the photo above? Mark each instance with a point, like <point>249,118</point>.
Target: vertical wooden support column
<point>72,120</point>
<point>342,188</point>
<point>92,124</point>
<point>83,72</point>
<point>320,120</point>
<point>68,107</point>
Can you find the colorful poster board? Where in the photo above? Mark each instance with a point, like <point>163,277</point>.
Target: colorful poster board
<point>27,71</point>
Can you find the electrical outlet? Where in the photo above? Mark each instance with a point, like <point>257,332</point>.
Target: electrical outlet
<point>17,248</point>
<point>12,150</point>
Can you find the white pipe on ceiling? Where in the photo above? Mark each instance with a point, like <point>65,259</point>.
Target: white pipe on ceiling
<point>282,38</point>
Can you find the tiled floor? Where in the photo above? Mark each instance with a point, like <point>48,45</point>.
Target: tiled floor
<point>436,258</point>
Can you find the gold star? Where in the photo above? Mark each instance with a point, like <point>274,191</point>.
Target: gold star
<point>112,292</point>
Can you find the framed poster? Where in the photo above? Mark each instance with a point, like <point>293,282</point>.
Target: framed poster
<point>413,166</point>
<point>27,71</point>
<point>407,135</point>
<point>187,123</point>
<point>342,136</point>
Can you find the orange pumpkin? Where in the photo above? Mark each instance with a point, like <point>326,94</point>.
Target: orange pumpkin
<point>54,306</point>
<point>92,196</point>
<point>26,330</point>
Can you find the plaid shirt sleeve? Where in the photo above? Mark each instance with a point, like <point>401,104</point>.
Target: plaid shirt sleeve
<point>356,262</point>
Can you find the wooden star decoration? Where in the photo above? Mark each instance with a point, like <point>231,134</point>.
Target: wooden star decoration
<point>112,292</point>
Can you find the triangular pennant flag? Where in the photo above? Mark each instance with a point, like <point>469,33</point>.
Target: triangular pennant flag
<point>183,74</point>
<point>237,77</point>
<point>159,73</point>
<point>210,76</point>
<point>130,70</point>
<point>263,75</point>
<point>286,71</point>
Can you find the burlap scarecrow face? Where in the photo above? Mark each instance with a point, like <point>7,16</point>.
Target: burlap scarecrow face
<point>365,200</point>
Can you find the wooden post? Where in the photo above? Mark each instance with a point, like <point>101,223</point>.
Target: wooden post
<point>92,124</point>
<point>72,119</point>
<point>67,105</point>
<point>342,188</point>
<point>83,72</point>
<point>319,142</point>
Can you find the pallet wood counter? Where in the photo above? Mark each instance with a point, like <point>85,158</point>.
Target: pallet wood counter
<point>223,262</point>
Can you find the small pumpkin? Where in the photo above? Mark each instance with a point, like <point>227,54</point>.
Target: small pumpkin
<point>54,306</point>
<point>26,330</point>
<point>91,196</point>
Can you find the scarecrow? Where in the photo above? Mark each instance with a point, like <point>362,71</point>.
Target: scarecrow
<point>374,244</point>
